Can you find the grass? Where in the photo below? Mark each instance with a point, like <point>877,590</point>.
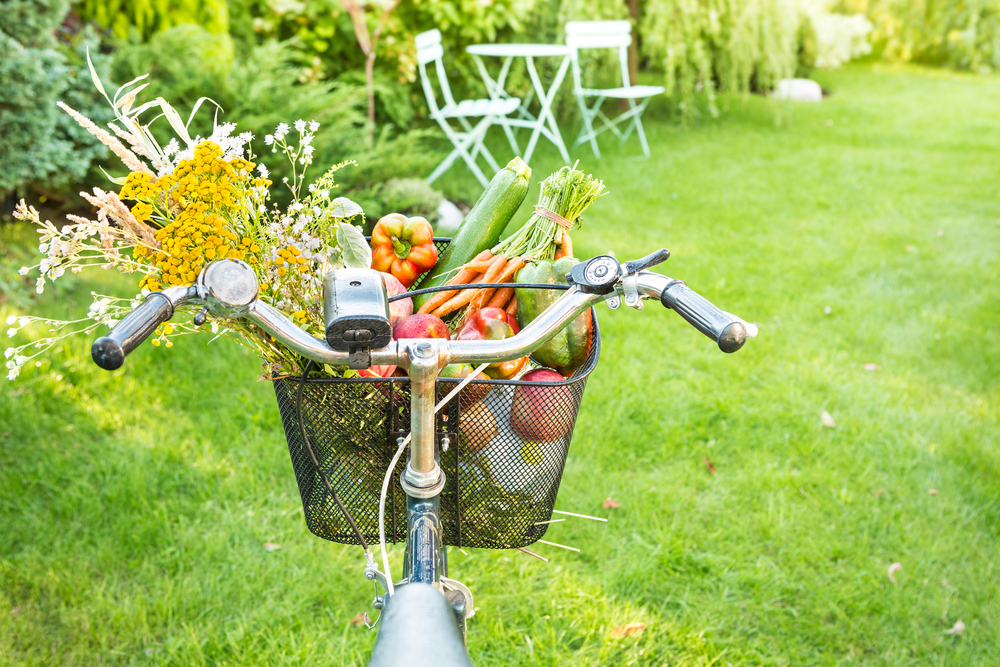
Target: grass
<point>134,505</point>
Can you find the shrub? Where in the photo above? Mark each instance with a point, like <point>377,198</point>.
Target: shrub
<point>720,45</point>
<point>956,33</point>
<point>42,149</point>
<point>409,196</point>
<point>147,17</point>
<point>838,37</point>
<point>261,87</point>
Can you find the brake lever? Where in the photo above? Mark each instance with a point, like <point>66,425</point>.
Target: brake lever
<point>637,265</point>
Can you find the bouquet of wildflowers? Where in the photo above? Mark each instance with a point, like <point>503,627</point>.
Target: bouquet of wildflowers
<point>188,203</point>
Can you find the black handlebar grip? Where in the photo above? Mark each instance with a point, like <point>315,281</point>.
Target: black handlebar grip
<point>704,316</point>
<point>110,351</point>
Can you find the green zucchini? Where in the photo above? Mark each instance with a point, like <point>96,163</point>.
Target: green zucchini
<point>481,229</point>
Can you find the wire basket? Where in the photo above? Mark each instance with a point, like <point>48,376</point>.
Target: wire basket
<point>507,442</point>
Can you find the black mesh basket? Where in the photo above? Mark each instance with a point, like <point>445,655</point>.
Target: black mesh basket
<point>507,446</point>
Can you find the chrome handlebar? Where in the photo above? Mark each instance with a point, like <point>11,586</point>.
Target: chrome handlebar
<point>570,304</point>
<point>228,289</point>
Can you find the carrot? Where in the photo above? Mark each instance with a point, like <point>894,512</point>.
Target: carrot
<point>501,298</point>
<point>512,307</point>
<point>492,276</point>
<point>565,246</point>
<point>456,302</point>
<point>464,277</point>
<point>512,267</point>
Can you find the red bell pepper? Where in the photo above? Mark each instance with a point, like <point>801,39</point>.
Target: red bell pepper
<point>494,324</point>
<point>403,247</point>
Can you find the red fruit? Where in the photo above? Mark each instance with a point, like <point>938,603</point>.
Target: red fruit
<point>397,309</point>
<point>421,325</point>
<point>542,413</point>
<point>377,371</point>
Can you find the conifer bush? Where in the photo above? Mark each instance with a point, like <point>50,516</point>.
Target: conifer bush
<point>42,149</point>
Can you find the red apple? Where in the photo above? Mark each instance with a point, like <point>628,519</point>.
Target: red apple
<point>421,325</point>
<point>397,309</point>
<point>542,413</point>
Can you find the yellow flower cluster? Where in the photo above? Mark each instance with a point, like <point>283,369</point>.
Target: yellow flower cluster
<point>144,188</point>
<point>290,259</point>
<point>205,185</point>
<point>210,179</point>
<point>140,185</point>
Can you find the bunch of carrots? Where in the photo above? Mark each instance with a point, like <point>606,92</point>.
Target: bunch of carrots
<point>484,268</point>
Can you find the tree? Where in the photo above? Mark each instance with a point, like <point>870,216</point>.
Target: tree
<point>368,43</point>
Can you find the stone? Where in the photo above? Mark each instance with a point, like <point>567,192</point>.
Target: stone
<point>798,90</point>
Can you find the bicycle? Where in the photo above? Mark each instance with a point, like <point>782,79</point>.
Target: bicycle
<point>423,615</point>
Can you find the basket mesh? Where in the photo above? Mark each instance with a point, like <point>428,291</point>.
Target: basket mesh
<point>502,470</point>
<point>508,442</point>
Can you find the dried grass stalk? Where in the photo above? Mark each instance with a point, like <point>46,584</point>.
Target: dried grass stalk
<point>130,159</point>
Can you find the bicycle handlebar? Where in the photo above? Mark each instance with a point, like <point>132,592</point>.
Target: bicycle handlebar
<point>729,331</point>
<point>726,330</point>
<point>109,351</point>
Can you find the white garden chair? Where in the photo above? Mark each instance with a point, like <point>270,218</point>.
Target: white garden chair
<point>607,35</point>
<point>468,141</point>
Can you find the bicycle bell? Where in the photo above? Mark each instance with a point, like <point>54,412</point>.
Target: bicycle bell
<point>228,287</point>
<point>597,275</point>
<point>356,310</point>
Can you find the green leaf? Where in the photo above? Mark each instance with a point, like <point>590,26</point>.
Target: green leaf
<point>197,105</point>
<point>93,75</point>
<point>354,250</point>
<point>175,121</point>
<point>116,181</point>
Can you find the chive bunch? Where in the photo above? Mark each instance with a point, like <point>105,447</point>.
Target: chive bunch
<point>568,192</point>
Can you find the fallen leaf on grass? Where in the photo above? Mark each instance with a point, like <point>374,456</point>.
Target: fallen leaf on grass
<point>933,492</point>
<point>879,492</point>
<point>828,420</point>
<point>893,568</point>
<point>271,546</point>
<point>360,619</point>
<point>628,630</point>
<point>872,367</point>
<point>956,629</point>
<point>708,464</point>
<point>611,504</point>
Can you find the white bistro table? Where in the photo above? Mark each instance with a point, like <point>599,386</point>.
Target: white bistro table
<point>545,123</point>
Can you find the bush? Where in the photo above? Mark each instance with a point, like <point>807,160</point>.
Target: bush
<point>409,196</point>
<point>956,33</point>
<point>719,45</point>
<point>147,17</point>
<point>42,149</point>
<point>261,88</point>
<point>838,38</point>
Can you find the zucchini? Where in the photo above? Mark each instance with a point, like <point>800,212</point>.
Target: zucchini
<point>481,229</point>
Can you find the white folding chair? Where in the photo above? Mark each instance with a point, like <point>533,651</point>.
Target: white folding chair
<point>468,141</point>
<point>607,35</point>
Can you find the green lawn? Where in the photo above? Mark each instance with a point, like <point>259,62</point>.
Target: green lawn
<point>134,505</point>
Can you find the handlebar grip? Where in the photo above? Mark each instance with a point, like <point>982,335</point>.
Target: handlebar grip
<point>109,352</point>
<point>704,316</point>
